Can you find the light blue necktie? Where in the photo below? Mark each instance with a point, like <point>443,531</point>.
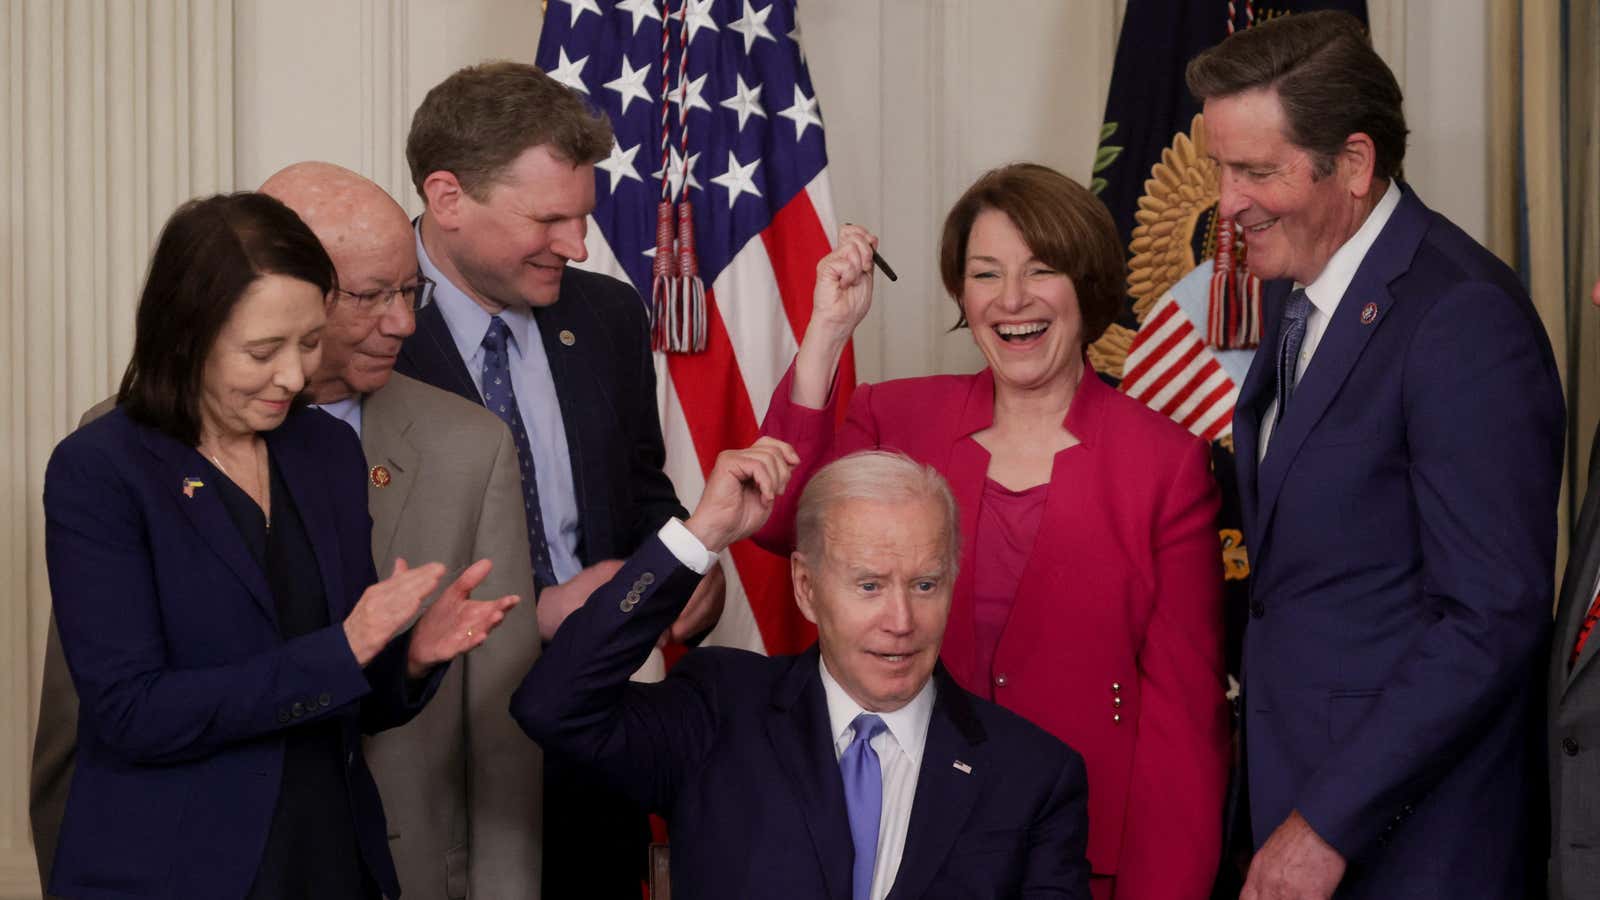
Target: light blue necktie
<point>1294,333</point>
<point>863,800</point>
<point>501,400</point>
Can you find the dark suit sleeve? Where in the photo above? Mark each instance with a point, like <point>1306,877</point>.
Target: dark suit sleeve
<point>654,499</point>
<point>577,700</point>
<point>1484,420</point>
<point>396,698</point>
<point>1058,841</point>
<point>104,591</point>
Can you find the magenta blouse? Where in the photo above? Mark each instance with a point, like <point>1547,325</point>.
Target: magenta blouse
<point>1008,521</point>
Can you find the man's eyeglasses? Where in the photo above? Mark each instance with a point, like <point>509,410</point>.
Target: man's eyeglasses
<point>414,295</point>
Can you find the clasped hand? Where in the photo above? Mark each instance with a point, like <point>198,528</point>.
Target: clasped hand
<point>454,624</point>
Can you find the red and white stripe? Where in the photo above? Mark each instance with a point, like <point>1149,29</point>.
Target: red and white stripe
<point>1171,370</point>
<point>758,309</point>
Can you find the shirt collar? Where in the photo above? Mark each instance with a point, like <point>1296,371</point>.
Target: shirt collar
<point>1328,288</point>
<point>347,411</point>
<point>908,725</point>
<point>468,322</point>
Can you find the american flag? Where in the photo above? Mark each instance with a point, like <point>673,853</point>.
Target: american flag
<point>763,215</point>
<point>1173,369</point>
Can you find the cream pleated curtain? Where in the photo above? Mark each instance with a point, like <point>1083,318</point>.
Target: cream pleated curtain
<point>115,111</point>
<point>113,114</point>
<point>1545,193</point>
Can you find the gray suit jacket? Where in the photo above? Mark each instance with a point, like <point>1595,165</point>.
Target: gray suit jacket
<point>1574,714</point>
<point>461,784</point>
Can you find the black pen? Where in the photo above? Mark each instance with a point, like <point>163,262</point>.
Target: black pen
<point>880,263</point>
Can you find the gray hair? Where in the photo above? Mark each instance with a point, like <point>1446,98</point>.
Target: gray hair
<point>879,476</point>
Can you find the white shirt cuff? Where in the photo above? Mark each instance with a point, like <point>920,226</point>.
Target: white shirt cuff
<point>686,547</point>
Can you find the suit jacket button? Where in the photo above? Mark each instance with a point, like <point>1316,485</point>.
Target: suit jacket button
<point>1257,609</point>
<point>639,586</point>
<point>626,605</point>
<point>298,709</point>
<point>283,717</point>
<point>1000,680</point>
<point>1569,746</point>
<point>647,579</point>
<point>324,698</point>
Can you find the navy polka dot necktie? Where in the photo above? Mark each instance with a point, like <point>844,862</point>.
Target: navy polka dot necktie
<point>501,399</point>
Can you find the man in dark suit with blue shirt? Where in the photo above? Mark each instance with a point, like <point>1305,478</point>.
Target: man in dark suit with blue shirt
<point>857,770</point>
<point>503,157</point>
<point>1399,444</point>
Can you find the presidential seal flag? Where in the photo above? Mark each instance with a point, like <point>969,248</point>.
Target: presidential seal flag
<point>715,204</point>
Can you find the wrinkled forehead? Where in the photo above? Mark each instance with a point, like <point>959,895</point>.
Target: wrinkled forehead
<point>906,537</point>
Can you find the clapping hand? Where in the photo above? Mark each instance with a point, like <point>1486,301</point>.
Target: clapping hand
<point>456,623</point>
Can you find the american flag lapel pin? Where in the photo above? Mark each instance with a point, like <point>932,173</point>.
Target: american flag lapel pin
<point>962,767</point>
<point>1369,313</point>
<point>189,484</point>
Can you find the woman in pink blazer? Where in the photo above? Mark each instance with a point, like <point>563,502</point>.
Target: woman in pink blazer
<point>1090,592</point>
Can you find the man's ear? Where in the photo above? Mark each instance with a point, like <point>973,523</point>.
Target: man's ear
<point>1356,164</point>
<point>444,197</point>
<point>804,581</point>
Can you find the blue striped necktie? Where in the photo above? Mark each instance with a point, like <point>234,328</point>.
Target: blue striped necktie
<point>1294,334</point>
<point>501,399</point>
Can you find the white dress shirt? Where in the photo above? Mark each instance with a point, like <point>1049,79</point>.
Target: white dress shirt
<point>899,748</point>
<point>1326,292</point>
<point>682,543</point>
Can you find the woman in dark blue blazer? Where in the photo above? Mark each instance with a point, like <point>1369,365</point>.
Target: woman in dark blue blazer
<point>208,550</point>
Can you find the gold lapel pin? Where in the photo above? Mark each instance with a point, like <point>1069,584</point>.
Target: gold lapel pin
<point>568,338</point>
<point>380,476</point>
<point>189,484</point>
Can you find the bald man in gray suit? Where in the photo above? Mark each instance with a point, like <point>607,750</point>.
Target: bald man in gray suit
<point>461,783</point>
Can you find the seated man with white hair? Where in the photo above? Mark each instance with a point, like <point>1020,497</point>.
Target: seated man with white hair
<point>855,768</point>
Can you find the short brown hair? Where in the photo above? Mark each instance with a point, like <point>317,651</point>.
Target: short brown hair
<point>208,255</point>
<point>480,119</point>
<point>1332,84</point>
<point>1066,227</point>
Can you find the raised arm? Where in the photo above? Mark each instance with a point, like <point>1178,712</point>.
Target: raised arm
<point>577,700</point>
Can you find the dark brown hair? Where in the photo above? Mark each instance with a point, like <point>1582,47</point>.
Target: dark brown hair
<point>208,255</point>
<point>1065,226</point>
<point>479,120</point>
<point>1330,81</point>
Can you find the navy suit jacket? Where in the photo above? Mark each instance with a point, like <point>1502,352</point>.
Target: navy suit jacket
<point>185,686</point>
<point>1402,533</point>
<point>735,750</point>
<point>606,381</point>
